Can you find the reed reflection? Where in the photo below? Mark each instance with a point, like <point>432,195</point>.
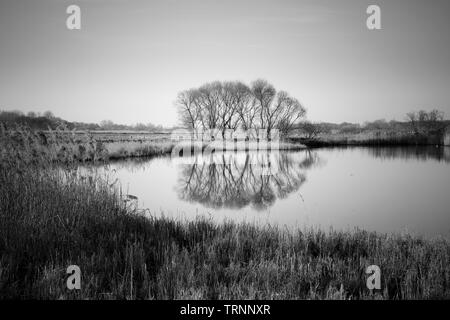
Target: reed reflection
<point>421,153</point>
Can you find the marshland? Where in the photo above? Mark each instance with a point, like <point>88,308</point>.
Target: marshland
<point>153,214</point>
<point>63,202</point>
<point>141,144</point>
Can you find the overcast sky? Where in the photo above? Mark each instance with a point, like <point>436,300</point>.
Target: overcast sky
<point>130,58</point>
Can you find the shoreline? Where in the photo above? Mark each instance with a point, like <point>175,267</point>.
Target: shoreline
<point>374,140</point>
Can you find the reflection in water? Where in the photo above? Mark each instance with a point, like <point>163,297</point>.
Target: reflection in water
<point>377,189</point>
<point>423,153</point>
<point>237,180</point>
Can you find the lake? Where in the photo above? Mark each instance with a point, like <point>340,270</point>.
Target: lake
<point>376,189</point>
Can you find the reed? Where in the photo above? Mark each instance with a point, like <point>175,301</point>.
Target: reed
<point>371,138</point>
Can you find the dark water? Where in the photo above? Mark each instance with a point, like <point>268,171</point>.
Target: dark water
<point>377,189</point>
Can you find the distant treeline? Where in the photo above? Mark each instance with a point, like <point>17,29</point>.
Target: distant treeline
<point>109,125</point>
<point>419,128</point>
<point>47,120</point>
<point>421,123</point>
<point>33,120</point>
<point>312,130</point>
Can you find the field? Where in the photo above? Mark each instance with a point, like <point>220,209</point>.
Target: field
<point>52,217</point>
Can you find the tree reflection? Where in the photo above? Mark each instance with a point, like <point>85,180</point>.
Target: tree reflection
<point>233,180</point>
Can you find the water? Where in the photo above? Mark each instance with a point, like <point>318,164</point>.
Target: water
<point>376,189</point>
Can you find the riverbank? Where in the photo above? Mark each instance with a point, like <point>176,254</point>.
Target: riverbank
<point>71,147</point>
<point>50,219</point>
<point>102,146</point>
<point>135,149</point>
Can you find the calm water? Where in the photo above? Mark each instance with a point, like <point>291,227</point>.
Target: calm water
<point>379,189</point>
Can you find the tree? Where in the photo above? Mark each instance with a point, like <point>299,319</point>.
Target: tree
<point>349,128</point>
<point>231,95</point>
<point>188,110</point>
<point>377,125</point>
<point>264,93</point>
<point>423,122</point>
<point>246,106</point>
<point>48,115</point>
<point>209,103</point>
<point>107,125</point>
<point>287,114</point>
<point>311,130</point>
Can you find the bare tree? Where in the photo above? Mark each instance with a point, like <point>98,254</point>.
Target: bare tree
<point>311,130</point>
<point>49,114</point>
<point>188,110</point>
<point>285,113</point>
<point>228,107</point>
<point>209,102</point>
<point>264,93</point>
<point>291,114</point>
<point>423,122</point>
<point>246,106</point>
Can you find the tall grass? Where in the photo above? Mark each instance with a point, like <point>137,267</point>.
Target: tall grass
<point>51,217</point>
<point>371,138</point>
<point>120,150</point>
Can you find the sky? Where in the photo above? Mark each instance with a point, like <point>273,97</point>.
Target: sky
<point>131,58</point>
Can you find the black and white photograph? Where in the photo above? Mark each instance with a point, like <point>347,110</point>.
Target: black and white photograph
<point>239,150</point>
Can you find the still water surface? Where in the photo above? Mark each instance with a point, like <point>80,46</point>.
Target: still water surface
<point>376,189</point>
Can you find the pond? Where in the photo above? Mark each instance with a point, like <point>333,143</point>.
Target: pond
<point>388,190</point>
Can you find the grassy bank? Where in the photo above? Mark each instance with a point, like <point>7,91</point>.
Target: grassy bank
<point>70,146</point>
<point>51,217</point>
<point>120,150</point>
<point>372,138</point>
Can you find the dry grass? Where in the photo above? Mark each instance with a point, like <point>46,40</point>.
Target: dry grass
<point>371,138</point>
<point>117,150</point>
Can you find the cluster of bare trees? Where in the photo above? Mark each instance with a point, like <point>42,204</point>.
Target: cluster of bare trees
<point>423,122</point>
<point>234,105</point>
